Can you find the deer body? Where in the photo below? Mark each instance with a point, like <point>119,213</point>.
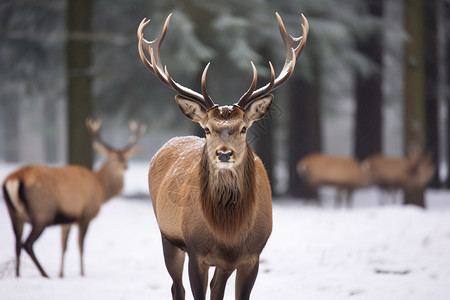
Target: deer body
<point>243,222</point>
<point>219,216</point>
<point>54,185</point>
<point>394,172</point>
<point>211,196</point>
<point>344,173</point>
<point>45,196</point>
<point>400,173</point>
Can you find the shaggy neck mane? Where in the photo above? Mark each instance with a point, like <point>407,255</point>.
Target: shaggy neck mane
<point>228,196</point>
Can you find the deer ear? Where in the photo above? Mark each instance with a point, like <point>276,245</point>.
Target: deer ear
<point>259,108</point>
<point>100,148</point>
<point>191,109</point>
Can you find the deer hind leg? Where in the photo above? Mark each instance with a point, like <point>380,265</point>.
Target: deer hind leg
<point>82,229</point>
<point>313,190</point>
<point>18,230</point>
<point>36,231</point>
<point>395,196</point>
<point>65,229</point>
<point>319,198</point>
<point>218,283</point>
<point>16,221</point>
<point>339,197</point>
<point>245,279</point>
<point>381,195</point>
<point>349,199</point>
<point>174,259</point>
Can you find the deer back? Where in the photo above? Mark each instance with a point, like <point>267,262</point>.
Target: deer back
<point>317,169</point>
<point>400,172</point>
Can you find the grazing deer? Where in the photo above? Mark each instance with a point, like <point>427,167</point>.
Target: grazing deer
<point>400,173</point>
<point>44,196</point>
<point>211,196</point>
<point>344,173</point>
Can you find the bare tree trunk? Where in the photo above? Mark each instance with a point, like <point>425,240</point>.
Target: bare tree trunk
<point>431,83</point>
<point>414,85</point>
<point>304,131</point>
<point>445,93</point>
<point>369,93</point>
<point>78,57</point>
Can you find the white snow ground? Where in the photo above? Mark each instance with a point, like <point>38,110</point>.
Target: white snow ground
<point>369,252</point>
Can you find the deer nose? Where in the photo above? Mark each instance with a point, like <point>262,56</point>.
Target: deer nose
<point>224,156</point>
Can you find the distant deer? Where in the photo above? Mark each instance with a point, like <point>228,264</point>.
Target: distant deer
<point>400,173</point>
<point>344,173</point>
<point>212,197</point>
<point>44,196</point>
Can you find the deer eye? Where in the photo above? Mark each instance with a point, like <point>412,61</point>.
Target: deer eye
<point>244,129</point>
<point>207,131</point>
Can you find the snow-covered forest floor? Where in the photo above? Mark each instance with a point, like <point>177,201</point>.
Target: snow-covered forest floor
<point>367,252</point>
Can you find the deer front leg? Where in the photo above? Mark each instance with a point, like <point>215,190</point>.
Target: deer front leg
<point>245,279</point>
<point>65,229</point>
<point>82,229</point>
<point>174,259</point>
<point>339,197</point>
<point>218,283</point>
<point>198,277</point>
<point>349,199</point>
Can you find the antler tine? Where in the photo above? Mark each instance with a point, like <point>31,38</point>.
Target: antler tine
<point>140,46</point>
<point>94,129</point>
<point>305,31</point>
<point>136,132</point>
<point>294,47</point>
<point>155,64</point>
<point>93,126</point>
<point>208,100</point>
<point>194,96</point>
<point>246,97</point>
<point>133,126</point>
<point>156,67</point>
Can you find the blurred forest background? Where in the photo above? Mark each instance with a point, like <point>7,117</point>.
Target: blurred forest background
<point>373,76</point>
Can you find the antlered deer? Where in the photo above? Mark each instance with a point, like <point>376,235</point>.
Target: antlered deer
<point>212,197</point>
<point>344,173</point>
<point>44,196</point>
<point>400,173</point>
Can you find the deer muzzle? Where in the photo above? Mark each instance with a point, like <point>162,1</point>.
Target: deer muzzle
<point>224,156</point>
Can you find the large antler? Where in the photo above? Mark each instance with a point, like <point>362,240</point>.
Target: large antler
<point>294,47</point>
<point>94,129</point>
<point>135,130</point>
<point>156,67</point>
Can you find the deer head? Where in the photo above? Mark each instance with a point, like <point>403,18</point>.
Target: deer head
<point>225,126</point>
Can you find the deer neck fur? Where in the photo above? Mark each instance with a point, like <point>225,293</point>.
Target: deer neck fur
<point>228,196</point>
<point>111,179</point>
